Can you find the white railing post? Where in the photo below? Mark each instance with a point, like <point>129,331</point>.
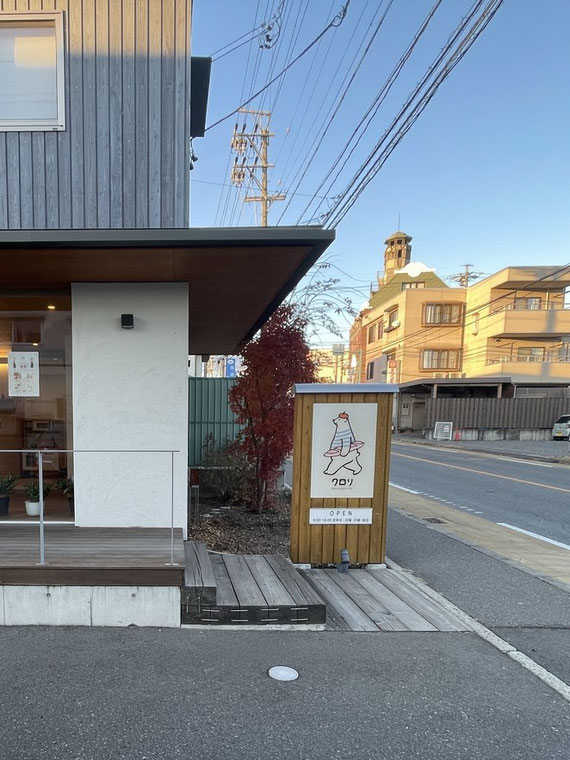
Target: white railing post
<point>172,507</point>
<point>41,487</point>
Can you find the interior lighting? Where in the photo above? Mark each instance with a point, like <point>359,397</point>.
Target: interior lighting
<point>51,307</point>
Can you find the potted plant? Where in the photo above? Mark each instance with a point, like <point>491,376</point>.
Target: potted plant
<point>33,500</point>
<point>7,483</point>
<point>65,485</point>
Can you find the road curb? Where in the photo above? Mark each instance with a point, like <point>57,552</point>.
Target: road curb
<point>486,634</point>
<point>513,454</point>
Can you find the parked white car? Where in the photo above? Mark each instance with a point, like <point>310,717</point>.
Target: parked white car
<point>561,429</point>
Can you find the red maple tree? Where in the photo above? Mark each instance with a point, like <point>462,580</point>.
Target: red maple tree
<point>262,398</point>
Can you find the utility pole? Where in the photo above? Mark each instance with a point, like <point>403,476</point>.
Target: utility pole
<point>254,144</point>
<point>465,277</point>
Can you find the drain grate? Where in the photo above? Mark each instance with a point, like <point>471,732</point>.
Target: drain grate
<point>433,520</point>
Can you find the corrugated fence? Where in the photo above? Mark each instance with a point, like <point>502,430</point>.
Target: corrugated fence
<point>209,413</point>
<point>495,413</point>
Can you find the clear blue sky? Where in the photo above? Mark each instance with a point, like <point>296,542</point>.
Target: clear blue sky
<point>483,175</point>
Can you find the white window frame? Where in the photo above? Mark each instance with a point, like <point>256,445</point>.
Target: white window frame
<point>42,125</point>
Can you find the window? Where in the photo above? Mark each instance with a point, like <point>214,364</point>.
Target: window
<point>531,354</point>
<point>31,72</point>
<point>379,330</point>
<point>393,321</point>
<point>409,285</point>
<point>531,304</point>
<point>442,313</point>
<point>372,333</point>
<point>564,353</point>
<point>440,358</point>
<point>370,371</point>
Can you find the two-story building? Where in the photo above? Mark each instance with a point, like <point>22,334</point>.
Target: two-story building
<point>105,290</point>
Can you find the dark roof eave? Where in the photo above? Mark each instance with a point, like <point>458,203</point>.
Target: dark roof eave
<point>171,237</point>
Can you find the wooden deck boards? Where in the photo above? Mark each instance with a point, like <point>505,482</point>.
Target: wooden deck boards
<point>268,589</point>
<point>379,600</point>
<point>253,589</point>
<point>90,556</point>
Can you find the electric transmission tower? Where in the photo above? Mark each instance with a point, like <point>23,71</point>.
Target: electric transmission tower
<point>465,277</point>
<point>252,146</point>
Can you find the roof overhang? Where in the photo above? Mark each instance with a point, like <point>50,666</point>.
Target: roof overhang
<point>237,276</point>
<point>463,382</point>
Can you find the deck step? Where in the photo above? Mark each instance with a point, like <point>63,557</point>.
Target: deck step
<point>200,585</point>
<point>257,590</point>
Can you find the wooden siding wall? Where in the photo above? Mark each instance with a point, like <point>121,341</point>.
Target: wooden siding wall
<point>321,544</point>
<point>123,158</point>
<point>496,413</point>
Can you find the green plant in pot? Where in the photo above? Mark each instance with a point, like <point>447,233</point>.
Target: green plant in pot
<point>7,483</point>
<point>65,485</point>
<point>33,500</point>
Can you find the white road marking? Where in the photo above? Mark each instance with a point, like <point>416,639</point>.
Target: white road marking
<point>484,633</point>
<point>535,535</point>
<point>524,461</point>
<point>402,488</point>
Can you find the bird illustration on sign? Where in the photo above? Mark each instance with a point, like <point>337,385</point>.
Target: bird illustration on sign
<point>344,451</point>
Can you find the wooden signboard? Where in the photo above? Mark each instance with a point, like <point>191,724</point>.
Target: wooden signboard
<point>341,459</point>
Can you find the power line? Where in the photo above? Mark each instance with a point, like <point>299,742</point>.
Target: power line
<point>374,163</point>
<point>373,108</point>
<point>465,277</point>
<point>340,102</point>
<point>336,21</point>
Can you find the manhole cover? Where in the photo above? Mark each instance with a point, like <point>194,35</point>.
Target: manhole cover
<point>433,519</point>
<point>283,673</point>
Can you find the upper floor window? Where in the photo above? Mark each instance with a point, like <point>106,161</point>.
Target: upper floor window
<point>442,313</point>
<point>372,333</point>
<point>393,320</point>
<point>440,358</point>
<point>409,285</point>
<point>31,72</point>
<point>533,303</point>
<point>370,371</point>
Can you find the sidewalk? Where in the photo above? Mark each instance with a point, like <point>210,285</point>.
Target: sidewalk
<point>542,451</point>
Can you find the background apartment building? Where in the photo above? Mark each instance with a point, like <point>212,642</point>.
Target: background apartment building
<point>515,324</point>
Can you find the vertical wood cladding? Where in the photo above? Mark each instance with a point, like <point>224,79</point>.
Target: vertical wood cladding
<point>122,160</point>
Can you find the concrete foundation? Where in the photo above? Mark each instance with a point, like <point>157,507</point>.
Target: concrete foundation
<point>117,606</point>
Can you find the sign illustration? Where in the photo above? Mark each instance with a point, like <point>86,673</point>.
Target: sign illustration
<point>344,448</point>
<point>343,451</point>
<point>23,373</point>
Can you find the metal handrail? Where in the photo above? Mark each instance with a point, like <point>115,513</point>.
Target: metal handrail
<point>41,451</point>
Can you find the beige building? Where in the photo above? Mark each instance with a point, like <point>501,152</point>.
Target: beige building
<point>515,323</point>
<point>332,364</point>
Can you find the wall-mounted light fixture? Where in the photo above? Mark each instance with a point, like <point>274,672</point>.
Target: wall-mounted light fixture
<point>127,321</point>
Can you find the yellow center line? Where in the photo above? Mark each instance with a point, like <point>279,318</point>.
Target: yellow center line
<point>481,472</point>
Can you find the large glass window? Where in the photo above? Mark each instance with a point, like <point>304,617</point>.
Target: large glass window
<point>440,358</point>
<point>31,72</point>
<point>442,313</point>
<point>35,400</point>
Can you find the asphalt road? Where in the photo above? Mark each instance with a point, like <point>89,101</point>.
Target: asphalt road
<point>526,495</point>
<point>89,694</point>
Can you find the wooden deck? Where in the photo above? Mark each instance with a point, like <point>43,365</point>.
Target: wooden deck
<point>378,600</point>
<point>90,556</point>
<point>255,590</point>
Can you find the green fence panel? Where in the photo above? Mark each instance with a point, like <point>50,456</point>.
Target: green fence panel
<point>209,414</point>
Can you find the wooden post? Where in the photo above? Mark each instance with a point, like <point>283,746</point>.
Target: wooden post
<point>341,461</point>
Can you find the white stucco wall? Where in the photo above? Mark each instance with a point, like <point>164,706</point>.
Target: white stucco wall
<point>130,391</point>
